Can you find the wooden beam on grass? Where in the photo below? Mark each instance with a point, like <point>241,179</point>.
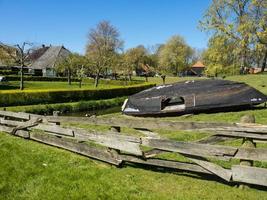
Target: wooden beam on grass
<point>80,148</point>
<point>251,175</point>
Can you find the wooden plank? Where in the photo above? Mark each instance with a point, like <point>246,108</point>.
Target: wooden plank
<point>165,163</point>
<point>55,129</point>
<point>6,129</point>
<point>258,154</point>
<point>116,141</point>
<point>262,130</point>
<point>251,175</point>
<point>23,134</point>
<point>81,148</point>
<point>260,136</point>
<point>150,124</point>
<point>190,148</point>
<point>11,122</point>
<point>213,139</point>
<point>153,153</point>
<point>213,168</point>
<point>19,115</point>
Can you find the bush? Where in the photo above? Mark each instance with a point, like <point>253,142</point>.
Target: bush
<point>40,78</point>
<point>69,107</point>
<point>8,72</point>
<point>31,97</point>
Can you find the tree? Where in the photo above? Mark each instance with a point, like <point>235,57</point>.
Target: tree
<point>133,58</point>
<point>175,55</point>
<point>243,21</point>
<point>219,56</point>
<point>19,54</point>
<point>73,65</point>
<point>103,44</point>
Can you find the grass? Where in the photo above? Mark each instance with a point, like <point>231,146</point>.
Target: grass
<point>34,171</point>
<point>30,170</point>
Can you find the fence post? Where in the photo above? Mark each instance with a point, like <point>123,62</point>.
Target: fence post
<point>247,143</point>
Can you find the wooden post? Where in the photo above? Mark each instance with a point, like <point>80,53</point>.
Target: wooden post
<point>247,143</point>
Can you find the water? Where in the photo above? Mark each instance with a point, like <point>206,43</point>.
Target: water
<point>94,112</point>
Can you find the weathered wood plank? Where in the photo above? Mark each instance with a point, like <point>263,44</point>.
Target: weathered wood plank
<point>215,169</point>
<point>6,129</point>
<point>150,124</point>
<point>251,175</point>
<point>19,115</point>
<point>213,139</point>
<point>260,136</point>
<point>81,148</point>
<point>258,154</point>
<point>116,141</point>
<point>11,122</point>
<point>55,129</point>
<point>165,163</point>
<point>23,134</point>
<point>190,147</point>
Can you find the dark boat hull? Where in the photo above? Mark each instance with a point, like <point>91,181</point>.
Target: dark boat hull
<point>193,97</point>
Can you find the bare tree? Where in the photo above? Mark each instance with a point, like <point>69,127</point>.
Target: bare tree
<point>103,44</point>
<point>20,55</point>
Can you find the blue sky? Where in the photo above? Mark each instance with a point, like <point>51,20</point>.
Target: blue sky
<point>68,22</point>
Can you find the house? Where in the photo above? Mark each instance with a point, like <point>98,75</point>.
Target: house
<point>198,68</point>
<point>145,70</point>
<point>45,64</point>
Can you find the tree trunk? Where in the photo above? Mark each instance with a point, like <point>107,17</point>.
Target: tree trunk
<point>80,83</point>
<point>96,80</point>
<point>163,79</point>
<point>69,77</point>
<point>264,62</point>
<point>146,78</point>
<point>129,77</point>
<point>21,78</point>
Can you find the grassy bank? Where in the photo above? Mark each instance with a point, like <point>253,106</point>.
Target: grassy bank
<point>42,96</point>
<point>48,109</point>
<point>34,171</point>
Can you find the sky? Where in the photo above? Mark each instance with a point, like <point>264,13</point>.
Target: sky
<point>68,22</point>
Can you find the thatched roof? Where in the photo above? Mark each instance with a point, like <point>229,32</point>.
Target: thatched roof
<point>199,64</point>
<point>50,57</point>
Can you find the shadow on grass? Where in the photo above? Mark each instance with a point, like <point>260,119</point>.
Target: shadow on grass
<point>196,175</point>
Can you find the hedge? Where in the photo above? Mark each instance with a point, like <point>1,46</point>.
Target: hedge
<point>32,97</point>
<point>40,78</point>
<point>65,79</point>
<point>8,72</point>
<point>47,109</point>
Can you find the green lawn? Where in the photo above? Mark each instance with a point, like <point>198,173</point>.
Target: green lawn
<point>34,171</point>
<point>29,170</point>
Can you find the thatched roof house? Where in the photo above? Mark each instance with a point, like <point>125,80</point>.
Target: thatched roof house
<point>198,68</point>
<point>45,65</point>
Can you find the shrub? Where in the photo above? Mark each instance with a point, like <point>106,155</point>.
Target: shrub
<point>40,78</point>
<point>31,97</point>
<point>69,107</point>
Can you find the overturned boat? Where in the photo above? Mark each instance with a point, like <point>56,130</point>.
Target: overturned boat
<point>193,96</point>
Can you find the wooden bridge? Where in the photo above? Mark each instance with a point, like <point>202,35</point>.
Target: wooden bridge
<point>116,148</point>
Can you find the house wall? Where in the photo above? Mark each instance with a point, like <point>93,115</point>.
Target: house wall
<point>48,72</point>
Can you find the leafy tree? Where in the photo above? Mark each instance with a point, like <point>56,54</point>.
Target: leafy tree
<point>133,58</point>
<point>243,21</point>
<point>175,55</point>
<point>219,56</point>
<point>73,65</point>
<point>103,44</point>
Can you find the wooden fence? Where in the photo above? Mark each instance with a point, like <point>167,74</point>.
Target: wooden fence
<point>117,148</point>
